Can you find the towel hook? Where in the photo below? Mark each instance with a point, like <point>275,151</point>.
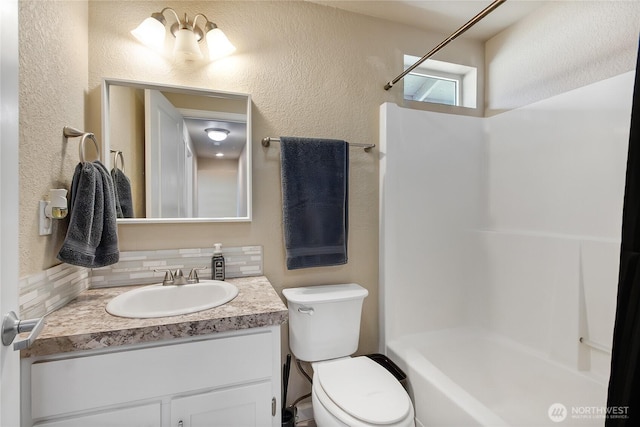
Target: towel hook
<point>70,132</point>
<point>118,154</point>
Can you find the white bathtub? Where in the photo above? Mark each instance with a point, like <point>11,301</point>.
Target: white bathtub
<point>470,377</point>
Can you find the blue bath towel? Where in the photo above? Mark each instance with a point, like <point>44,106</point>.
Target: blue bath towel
<point>92,235</point>
<point>315,183</point>
<point>122,189</point>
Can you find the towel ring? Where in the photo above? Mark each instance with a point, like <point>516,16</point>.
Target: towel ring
<point>118,154</point>
<point>81,145</point>
<point>70,132</point>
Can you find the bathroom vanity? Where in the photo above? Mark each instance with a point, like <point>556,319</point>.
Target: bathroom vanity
<point>216,367</point>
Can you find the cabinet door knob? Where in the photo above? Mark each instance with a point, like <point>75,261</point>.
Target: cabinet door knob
<point>180,424</point>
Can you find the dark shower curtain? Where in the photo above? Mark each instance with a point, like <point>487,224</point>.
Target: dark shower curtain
<point>624,383</point>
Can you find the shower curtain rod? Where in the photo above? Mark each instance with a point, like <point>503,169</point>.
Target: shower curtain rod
<point>266,141</point>
<point>446,41</point>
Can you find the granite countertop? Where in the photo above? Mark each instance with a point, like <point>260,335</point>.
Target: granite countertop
<point>84,324</point>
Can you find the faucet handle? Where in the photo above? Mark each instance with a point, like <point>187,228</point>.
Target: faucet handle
<point>193,275</point>
<point>168,277</point>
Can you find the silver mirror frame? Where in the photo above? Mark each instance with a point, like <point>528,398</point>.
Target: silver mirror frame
<point>106,144</point>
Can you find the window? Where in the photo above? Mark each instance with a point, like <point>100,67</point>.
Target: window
<point>425,88</point>
<point>440,82</point>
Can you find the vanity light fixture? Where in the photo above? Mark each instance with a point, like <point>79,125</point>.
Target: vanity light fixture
<point>217,134</point>
<point>152,32</point>
<point>54,208</point>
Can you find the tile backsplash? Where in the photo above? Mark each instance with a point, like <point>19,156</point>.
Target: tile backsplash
<point>51,289</point>
<point>137,267</point>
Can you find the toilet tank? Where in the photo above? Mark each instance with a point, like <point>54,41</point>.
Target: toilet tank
<point>324,321</point>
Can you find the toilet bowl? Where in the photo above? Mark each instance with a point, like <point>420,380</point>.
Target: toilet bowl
<point>324,329</point>
<point>357,392</point>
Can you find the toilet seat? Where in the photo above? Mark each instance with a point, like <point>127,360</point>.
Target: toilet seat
<point>362,389</point>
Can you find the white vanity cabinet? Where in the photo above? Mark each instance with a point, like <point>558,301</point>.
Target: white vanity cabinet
<point>223,379</point>
<point>139,416</point>
<point>214,409</point>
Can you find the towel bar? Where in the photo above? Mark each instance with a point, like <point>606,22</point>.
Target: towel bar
<point>266,142</point>
<point>70,132</point>
<point>595,345</point>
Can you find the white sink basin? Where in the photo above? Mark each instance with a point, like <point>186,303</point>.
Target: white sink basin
<point>160,301</point>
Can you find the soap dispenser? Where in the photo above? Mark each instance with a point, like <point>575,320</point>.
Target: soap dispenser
<point>217,263</point>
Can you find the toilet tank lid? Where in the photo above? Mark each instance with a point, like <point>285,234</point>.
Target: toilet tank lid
<point>325,293</point>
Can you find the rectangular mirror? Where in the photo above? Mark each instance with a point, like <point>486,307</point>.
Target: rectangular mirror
<point>185,151</point>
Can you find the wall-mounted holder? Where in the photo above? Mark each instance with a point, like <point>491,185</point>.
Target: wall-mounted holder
<point>54,208</point>
<point>70,132</point>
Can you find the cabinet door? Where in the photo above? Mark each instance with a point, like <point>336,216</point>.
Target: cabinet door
<point>243,406</point>
<point>140,416</point>
<point>66,386</point>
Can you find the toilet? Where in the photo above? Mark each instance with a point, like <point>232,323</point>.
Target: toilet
<point>324,329</point>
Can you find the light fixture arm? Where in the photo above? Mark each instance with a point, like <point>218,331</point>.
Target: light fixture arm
<point>177,25</point>
<point>161,13</point>
<point>195,18</point>
<point>187,34</point>
<point>208,26</point>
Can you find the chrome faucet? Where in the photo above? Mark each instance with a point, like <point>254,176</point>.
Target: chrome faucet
<point>193,275</point>
<point>177,278</point>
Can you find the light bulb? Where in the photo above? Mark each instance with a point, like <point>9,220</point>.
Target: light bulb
<point>217,134</point>
<point>151,32</point>
<point>186,46</point>
<point>218,44</point>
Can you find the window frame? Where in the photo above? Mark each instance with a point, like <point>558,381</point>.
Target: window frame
<point>465,77</point>
<point>432,74</point>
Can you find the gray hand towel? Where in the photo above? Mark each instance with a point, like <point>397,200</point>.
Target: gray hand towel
<point>315,183</point>
<point>92,238</point>
<point>122,189</point>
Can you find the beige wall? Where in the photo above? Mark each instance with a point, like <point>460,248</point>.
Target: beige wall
<point>127,135</point>
<point>311,71</point>
<point>217,187</point>
<point>562,46</point>
<point>53,49</point>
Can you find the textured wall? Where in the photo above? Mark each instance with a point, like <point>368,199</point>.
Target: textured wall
<point>127,135</point>
<point>311,71</point>
<point>53,87</point>
<point>562,46</point>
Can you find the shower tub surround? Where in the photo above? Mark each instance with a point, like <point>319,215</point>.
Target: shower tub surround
<point>473,377</point>
<point>509,256</point>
